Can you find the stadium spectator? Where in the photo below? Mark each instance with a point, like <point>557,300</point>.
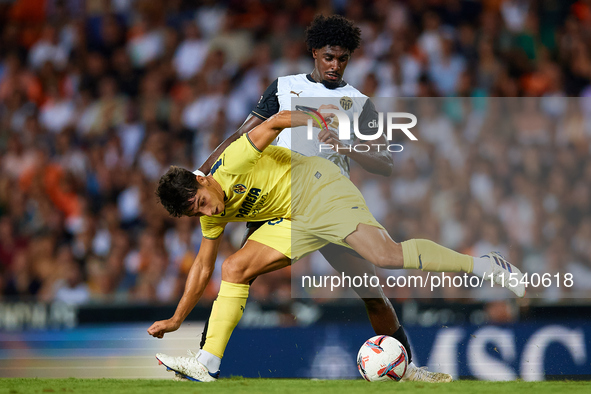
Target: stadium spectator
<point>97,99</point>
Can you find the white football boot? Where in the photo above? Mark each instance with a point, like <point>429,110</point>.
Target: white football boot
<point>178,377</point>
<point>187,367</point>
<point>416,374</point>
<point>505,274</point>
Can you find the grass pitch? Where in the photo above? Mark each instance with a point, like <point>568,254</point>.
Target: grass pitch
<point>281,386</point>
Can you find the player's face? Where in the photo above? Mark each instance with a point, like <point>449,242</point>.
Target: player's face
<point>330,63</point>
<point>209,199</point>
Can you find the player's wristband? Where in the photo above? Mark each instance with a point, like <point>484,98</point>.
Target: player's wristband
<point>197,172</point>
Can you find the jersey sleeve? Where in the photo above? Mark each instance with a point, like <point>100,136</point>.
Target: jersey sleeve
<point>368,116</point>
<point>238,158</point>
<point>211,228</point>
<point>268,105</point>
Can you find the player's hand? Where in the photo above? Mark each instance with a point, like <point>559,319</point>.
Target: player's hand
<point>301,118</point>
<point>329,117</point>
<point>329,136</point>
<point>159,328</point>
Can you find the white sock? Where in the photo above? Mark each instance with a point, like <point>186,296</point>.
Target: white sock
<point>209,360</point>
<point>481,266</point>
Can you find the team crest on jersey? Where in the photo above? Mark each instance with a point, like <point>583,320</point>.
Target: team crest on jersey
<point>239,188</point>
<point>346,103</point>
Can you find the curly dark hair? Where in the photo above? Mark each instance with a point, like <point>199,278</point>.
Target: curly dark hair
<point>176,189</point>
<point>334,30</point>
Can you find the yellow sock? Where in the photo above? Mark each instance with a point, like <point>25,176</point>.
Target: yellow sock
<point>428,256</point>
<point>225,315</point>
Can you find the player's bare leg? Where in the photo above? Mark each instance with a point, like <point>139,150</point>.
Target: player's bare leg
<point>238,270</point>
<point>376,246</point>
<point>380,311</point>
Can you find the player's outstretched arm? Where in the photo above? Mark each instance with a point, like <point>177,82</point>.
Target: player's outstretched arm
<point>250,123</point>
<point>262,135</point>
<point>199,276</point>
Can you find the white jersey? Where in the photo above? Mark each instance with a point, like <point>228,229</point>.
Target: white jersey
<point>286,93</point>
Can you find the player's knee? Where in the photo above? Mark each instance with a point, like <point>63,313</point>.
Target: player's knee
<point>383,261</point>
<point>234,270</point>
<point>390,257</point>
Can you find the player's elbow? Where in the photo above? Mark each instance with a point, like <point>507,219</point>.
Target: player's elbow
<point>386,170</point>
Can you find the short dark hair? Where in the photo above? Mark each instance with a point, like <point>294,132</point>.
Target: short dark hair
<point>334,30</point>
<point>176,189</point>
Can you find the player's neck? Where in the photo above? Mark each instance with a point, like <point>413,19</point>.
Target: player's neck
<point>316,76</point>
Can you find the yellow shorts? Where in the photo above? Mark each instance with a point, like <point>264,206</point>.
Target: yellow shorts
<point>334,210</point>
<point>275,234</point>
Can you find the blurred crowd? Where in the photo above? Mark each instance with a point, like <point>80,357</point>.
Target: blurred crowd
<point>99,97</point>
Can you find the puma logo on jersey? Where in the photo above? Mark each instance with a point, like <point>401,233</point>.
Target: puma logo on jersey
<point>297,94</point>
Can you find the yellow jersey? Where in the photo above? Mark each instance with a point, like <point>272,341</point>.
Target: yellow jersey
<point>256,185</point>
<point>261,186</point>
<point>306,201</point>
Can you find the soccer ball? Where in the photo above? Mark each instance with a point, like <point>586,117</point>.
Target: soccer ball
<point>382,358</point>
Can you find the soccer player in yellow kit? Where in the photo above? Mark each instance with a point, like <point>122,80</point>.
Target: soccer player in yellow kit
<point>252,181</point>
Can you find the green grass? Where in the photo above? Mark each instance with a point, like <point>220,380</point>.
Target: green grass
<point>281,386</point>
